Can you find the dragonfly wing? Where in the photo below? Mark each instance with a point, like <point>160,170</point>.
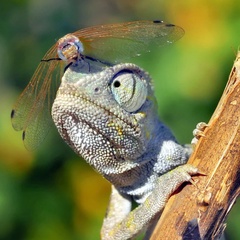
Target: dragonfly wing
<point>36,132</point>
<point>118,42</point>
<point>110,43</point>
<point>32,111</point>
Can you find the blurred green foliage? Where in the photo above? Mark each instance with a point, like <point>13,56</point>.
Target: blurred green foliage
<point>52,193</point>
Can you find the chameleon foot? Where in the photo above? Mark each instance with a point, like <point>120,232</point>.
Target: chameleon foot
<point>198,132</point>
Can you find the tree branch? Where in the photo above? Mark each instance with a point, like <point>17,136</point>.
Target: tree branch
<point>199,212</point>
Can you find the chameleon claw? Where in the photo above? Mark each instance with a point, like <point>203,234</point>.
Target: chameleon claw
<point>198,132</point>
<point>192,182</point>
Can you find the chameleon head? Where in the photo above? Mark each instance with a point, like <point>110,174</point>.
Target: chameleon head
<point>69,48</point>
<point>105,116</point>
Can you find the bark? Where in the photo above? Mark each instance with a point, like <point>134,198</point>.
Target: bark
<point>199,211</point>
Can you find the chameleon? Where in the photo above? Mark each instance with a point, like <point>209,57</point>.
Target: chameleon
<point>108,115</point>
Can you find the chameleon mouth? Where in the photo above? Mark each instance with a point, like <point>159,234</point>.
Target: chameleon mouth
<point>119,134</point>
<point>85,103</point>
<point>95,129</point>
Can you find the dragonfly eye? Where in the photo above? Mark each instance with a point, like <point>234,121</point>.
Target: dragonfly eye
<point>69,48</point>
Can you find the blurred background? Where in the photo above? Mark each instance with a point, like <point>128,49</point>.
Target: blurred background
<point>53,194</point>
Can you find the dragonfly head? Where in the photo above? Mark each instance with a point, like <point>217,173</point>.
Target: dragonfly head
<point>69,48</point>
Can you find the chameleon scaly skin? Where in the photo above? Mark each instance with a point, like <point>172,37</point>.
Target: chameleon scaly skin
<point>109,117</point>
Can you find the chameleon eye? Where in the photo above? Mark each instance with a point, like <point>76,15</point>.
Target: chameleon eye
<point>129,90</point>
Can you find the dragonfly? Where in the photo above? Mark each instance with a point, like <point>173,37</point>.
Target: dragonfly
<point>108,44</point>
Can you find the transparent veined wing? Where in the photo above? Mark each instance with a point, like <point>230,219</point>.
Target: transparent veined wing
<point>32,110</point>
<point>118,42</point>
<point>111,43</point>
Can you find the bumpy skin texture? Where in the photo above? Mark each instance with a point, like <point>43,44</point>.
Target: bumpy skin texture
<point>109,117</point>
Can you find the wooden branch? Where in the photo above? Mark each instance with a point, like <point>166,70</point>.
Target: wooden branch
<point>199,212</point>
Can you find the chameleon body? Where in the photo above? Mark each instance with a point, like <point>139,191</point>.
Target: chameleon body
<point>108,115</point>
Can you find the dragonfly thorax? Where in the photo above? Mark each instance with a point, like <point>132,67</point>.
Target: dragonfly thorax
<point>69,48</point>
